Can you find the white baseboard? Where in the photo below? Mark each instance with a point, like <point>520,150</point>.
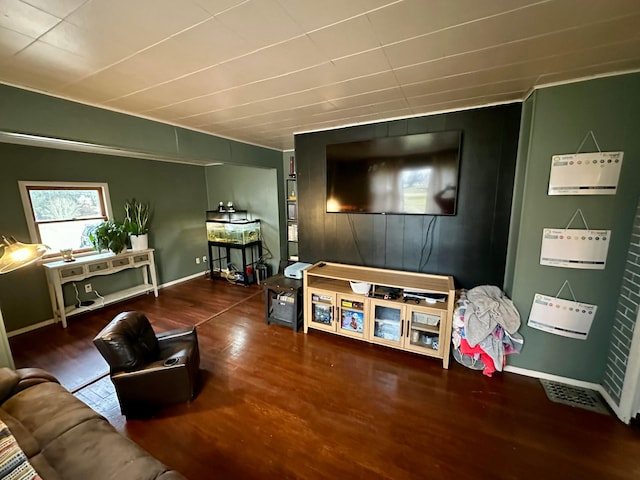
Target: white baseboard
<point>183,279</point>
<point>30,328</point>
<point>570,381</point>
<point>44,323</point>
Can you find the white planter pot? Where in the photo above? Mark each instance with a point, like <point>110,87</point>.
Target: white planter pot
<point>139,242</point>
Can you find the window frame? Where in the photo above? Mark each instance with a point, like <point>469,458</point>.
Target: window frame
<point>32,223</point>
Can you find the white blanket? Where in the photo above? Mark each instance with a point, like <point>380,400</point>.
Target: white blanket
<point>489,307</point>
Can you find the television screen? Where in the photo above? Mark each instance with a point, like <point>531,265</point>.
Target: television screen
<point>409,174</point>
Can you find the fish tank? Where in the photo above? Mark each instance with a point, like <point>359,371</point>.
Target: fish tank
<point>232,227</point>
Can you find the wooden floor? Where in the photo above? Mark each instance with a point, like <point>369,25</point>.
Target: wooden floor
<point>276,404</point>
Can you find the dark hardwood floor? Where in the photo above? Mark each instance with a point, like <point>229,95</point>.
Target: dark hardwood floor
<point>275,404</point>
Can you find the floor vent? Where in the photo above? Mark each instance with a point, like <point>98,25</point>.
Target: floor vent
<point>574,396</point>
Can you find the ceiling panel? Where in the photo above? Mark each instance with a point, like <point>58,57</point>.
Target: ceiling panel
<point>261,23</point>
<point>413,18</point>
<point>58,8</point>
<point>311,15</point>
<point>12,42</point>
<point>44,60</point>
<point>215,7</point>
<point>525,24</point>
<point>263,69</point>
<point>23,18</point>
<point>572,41</point>
<point>221,44</point>
<point>185,89</point>
<point>345,38</point>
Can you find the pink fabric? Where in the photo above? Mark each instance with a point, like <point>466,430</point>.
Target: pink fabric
<point>466,349</point>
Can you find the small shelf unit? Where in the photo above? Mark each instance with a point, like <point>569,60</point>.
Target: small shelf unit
<point>292,218</point>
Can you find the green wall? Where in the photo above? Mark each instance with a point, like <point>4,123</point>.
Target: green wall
<point>555,121</point>
<point>177,191</point>
<point>176,230</point>
<point>252,189</point>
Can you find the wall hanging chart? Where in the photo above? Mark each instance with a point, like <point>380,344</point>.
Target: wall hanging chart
<point>567,318</point>
<point>573,248</point>
<point>594,173</point>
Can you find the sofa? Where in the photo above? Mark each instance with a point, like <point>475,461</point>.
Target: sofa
<point>63,438</point>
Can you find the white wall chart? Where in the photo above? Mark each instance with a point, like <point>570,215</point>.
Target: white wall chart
<point>573,248</point>
<point>561,317</point>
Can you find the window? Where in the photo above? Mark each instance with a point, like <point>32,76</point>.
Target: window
<point>61,215</point>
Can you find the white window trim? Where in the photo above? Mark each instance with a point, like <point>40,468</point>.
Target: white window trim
<point>26,202</point>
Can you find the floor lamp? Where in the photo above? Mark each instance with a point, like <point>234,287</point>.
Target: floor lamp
<point>15,255</point>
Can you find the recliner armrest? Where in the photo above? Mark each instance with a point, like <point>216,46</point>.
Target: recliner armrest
<point>176,333</point>
<point>157,369</point>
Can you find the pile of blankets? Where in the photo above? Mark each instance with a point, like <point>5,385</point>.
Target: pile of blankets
<point>485,327</point>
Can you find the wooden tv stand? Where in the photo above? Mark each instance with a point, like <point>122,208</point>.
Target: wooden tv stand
<point>410,324</point>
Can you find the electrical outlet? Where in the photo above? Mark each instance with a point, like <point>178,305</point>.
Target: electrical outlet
<point>197,260</point>
<point>204,259</point>
<point>88,288</point>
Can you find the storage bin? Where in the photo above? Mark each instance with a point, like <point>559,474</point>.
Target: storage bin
<point>283,307</point>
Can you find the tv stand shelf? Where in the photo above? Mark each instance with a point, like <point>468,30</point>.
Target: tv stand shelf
<point>413,325</point>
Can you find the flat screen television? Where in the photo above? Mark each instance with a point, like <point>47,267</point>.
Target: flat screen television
<point>408,174</point>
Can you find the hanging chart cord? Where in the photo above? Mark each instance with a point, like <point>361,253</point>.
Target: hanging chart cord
<point>568,285</point>
<point>590,132</point>
<point>578,211</point>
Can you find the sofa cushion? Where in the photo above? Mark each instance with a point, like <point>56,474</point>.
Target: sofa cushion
<point>47,411</point>
<point>73,454</point>
<point>65,439</point>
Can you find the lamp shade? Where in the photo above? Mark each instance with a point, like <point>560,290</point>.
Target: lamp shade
<point>16,254</point>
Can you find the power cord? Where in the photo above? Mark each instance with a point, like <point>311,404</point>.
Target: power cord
<point>77,294</point>
<point>265,256</point>
<point>354,235</point>
<point>427,241</point>
<point>100,297</point>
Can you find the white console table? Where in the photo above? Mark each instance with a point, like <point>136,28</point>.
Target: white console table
<point>59,273</point>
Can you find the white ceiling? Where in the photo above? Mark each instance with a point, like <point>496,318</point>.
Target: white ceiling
<point>260,70</point>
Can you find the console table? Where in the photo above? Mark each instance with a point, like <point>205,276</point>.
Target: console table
<point>82,268</point>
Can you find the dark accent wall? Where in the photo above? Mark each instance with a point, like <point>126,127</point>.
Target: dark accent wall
<point>471,245</point>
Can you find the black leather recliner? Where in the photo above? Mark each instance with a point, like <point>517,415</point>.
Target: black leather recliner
<point>149,369</point>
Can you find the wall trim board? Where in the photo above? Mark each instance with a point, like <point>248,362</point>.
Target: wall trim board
<point>586,78</point>
<point>30,328</point>
<point>137,115</point>
<point>85,147</point>
<point>184,279</point>
<point>518,197</point>
<point>569,381</point>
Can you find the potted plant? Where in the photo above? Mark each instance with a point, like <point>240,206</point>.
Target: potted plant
<point>136,221</point>
<point>109,236</point>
